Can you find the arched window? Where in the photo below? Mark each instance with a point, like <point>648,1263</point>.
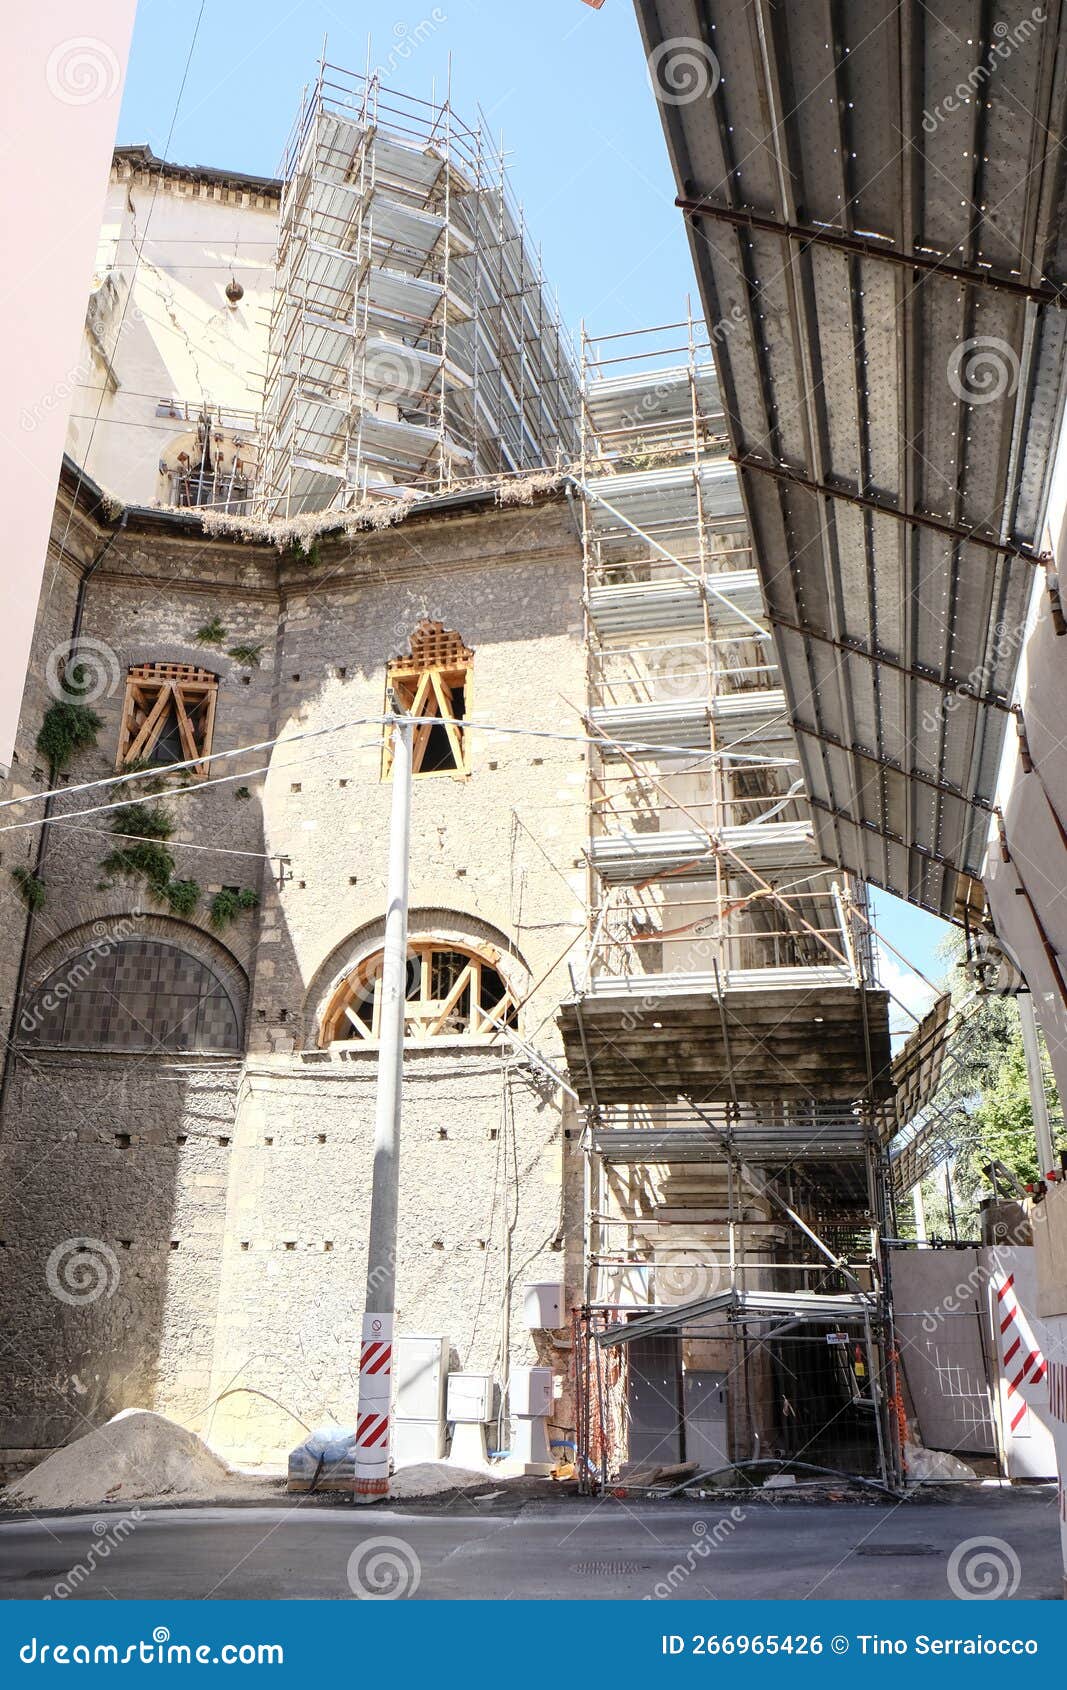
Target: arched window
<point>168,714</point>
<point>433,683</point>
<point>137,994</point>
<point>452,992</point>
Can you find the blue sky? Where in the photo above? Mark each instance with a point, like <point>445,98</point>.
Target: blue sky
<point>919,936</point>
<point>564,86</point>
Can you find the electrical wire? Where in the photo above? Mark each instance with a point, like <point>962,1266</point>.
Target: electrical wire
<point>467,724</point>
<point>174,844</point>
<point>176,793</point>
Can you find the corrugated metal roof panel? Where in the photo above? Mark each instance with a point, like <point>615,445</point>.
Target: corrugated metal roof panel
<point>845,218</point>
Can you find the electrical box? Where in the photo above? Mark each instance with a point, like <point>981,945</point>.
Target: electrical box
<point>542,1306</point>
<point>421,1365</point>
<point>418,1440</point>
<point>469,1398</point>
<point>531,1391</point>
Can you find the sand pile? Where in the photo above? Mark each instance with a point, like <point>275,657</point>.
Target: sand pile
<point>430,1478</point>
<point>137,1455</point>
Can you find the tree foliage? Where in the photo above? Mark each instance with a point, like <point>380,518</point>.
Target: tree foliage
<point>986,1098</point>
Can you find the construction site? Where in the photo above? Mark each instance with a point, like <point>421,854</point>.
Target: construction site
<point>466,783</point>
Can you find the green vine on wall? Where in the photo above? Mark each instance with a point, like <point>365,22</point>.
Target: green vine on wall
<point>143,855</point>
<point>212,633</point>
<point>31,889</point>
<point>249,655</point>
<point>228,904</point>
<point>68,727</point>
<point>301,553</point>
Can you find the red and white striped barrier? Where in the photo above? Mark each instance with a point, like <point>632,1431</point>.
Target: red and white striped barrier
<point>1021,1362</point>
<point>372,1418</point>
<point>1023,1376</point>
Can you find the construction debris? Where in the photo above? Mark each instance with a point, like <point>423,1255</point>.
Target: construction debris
<point>136,1457</point>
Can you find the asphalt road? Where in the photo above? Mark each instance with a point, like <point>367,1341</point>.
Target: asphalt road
<point>574,1550</point>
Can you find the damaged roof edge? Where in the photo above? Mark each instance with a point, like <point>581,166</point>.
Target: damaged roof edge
<point>141,156</point>
<point>110,511</point>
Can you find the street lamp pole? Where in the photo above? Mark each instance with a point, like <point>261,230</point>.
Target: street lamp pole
<point>376,1349</point>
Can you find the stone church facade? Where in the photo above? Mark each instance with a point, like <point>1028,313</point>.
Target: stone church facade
<point>191,1051</point>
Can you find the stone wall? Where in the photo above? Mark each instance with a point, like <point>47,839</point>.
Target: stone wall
<point>230,1197</point>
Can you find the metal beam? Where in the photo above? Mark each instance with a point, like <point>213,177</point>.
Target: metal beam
<point>950,530</point>
<point>884,832</point>
<point>918,775</point>
<point>948,684</point>
<point>862,246</point>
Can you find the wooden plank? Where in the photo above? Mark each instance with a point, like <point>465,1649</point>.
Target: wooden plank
<point>444,700</point>
<point>185,727</point>
<point>151,728</point>
<point>207,737</point>
<point>463,980</point>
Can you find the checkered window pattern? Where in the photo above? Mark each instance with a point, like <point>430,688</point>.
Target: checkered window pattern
<point>140,994</point>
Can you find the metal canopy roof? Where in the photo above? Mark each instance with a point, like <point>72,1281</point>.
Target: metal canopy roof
<point>886,255</point>
<point>733,601</point>
<point>755,1034</point>
<point>918,1064</point>
<point>630,859</point>
<point>737,1305</point>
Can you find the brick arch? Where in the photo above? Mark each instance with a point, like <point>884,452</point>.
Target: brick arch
<point>424,922</point>
<point>113,928</point>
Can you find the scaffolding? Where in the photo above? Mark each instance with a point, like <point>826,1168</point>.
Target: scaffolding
<point>726,1036</point>
<point>413,345</point>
